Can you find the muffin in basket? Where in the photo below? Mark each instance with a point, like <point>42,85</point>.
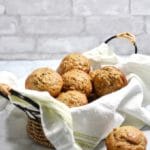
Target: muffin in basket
<point>73,98</point>
<point>77,80</point>
<point>108,80</point>
<point>45,79</point>
<point>94,73</point>
<point>126,138</point>
<point>74,61</point>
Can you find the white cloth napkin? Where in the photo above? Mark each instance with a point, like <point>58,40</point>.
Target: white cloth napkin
<point>9,79</point>
<point>84,127</point>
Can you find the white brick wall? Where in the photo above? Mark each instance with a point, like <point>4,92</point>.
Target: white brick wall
<point>38,7</point>
<point>52,25</point>
<point>114,24</point>
<point>100,7</point>
<point>12,45</point>
<point>140,7</point>
<point>8,25</point>
<point>63,45</point>
<point>48,29</point>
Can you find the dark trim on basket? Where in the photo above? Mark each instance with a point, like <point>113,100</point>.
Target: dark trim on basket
<point>115,36</point>
<point>25,98</point>
<point>28,111</point>
<point>6,97</point>
<point>31,112</point>
<point>136,49</point>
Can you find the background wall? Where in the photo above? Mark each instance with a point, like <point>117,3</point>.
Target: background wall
<point>47,29</point>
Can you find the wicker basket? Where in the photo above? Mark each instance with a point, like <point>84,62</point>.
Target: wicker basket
<point>35,131</point>
<point>34,127</point>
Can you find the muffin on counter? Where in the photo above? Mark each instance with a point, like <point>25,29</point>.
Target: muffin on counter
<point>77,80</point>
<point>45,79</point>
<point>108,80</point>
<point>126,138</point>
<point>73,98</point>
<point>74,61</point>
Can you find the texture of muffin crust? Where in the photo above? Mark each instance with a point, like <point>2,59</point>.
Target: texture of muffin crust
<point>45,79</point>
<point>74,61</point>
<point>73,98</point>
<point>108,80</point>
<point>126,138</point>
<point>94,73</point>
<point>77,80</point>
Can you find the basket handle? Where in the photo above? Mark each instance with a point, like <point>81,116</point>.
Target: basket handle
<point>127,36</point>
<point>5,91</point>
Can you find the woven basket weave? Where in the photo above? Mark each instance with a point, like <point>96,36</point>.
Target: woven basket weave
<point>35,131</point>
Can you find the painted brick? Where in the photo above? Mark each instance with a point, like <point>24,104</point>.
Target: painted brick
<point>147,24</point>
<point>12,45</point>
<point>2,9</point>
<point>38,7</point>
<point>114,24</point>
<point>140,7</point>
<point>66,45</point>
<point>143,43</point>
<point>52,25</point>
<point>100,7</point>
<point>8,25</point>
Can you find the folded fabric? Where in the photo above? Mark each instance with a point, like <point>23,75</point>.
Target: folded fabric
<point>11,80</point>
<point>82,128</point>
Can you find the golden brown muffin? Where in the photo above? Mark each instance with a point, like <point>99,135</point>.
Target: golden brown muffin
<point>94,73</point>
<point>77,80</point>
<point>45,79</point>
<point>117,71</point>
<point>108,80</point>
<point>74,61</point>
<point>126,138</point>
<point>73,98</point>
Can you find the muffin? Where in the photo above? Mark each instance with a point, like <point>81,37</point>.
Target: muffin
<point>77,80</point>
<point>108,80</point>
<point>94,73</point>
<point>126,138</point>
<point>73,98</point>
<point>45,79</point>
<point>74,61</point>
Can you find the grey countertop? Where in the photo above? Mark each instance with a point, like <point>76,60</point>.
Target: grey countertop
<point>22,68</point>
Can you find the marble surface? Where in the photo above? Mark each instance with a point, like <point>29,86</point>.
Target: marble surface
<point>13,134</point>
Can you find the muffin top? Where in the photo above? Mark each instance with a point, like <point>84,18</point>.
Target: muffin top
<point>94,73</point>
<point>77,80</point>
<point>45,79</point>
<point>74,61</point>
<point>73,98</point>
<point>126,138</point>
<point>108,80</point>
